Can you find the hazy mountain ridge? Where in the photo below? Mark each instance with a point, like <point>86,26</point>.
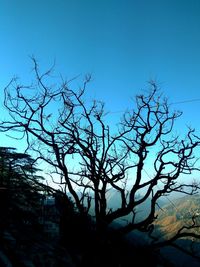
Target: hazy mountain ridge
<point>177,214</point>
<point>142,210</point>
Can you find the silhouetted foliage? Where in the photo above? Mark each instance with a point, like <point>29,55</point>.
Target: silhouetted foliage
<point>143,159</point>
<point>20,191</point>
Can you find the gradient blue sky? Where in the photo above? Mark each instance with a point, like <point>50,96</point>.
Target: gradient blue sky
<point>122,44</point>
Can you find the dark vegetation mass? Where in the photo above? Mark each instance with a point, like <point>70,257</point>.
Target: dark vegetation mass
<point>107,210</point>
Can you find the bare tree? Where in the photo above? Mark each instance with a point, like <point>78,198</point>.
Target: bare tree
<point>141,160</point>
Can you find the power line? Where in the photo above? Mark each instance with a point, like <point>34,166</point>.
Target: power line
<point>160,189</point>
<point>186,101</point>
<point>163,195</point>
<point>173,103</point>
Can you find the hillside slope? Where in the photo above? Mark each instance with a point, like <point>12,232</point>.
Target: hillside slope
<point>173,216</point>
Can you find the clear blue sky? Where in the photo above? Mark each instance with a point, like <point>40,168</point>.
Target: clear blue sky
<point>122,44</point>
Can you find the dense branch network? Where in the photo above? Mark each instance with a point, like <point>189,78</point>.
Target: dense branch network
<point>142,160</point>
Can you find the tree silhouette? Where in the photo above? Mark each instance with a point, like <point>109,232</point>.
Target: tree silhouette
<point>142,160</point>
<point>21,192</point>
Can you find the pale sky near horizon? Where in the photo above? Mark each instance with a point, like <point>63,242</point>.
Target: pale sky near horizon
<point>122,43</point>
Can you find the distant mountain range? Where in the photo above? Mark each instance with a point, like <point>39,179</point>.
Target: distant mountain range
<point>177,214</point>
<point>142,210</point>
<point>170,219</point>
<point>172,214</point>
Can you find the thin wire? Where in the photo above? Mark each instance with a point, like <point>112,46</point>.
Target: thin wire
<point>186,101</point>
<point>159,189</point>
<point>173,103</point>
